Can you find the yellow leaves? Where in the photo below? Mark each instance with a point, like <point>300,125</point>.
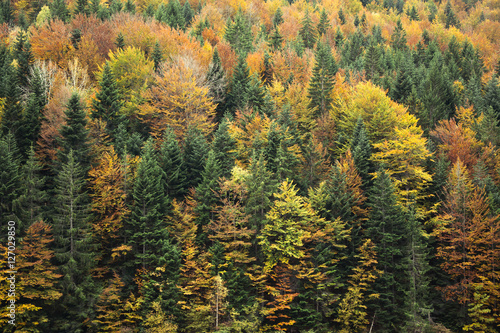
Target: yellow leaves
<point>178,99</point>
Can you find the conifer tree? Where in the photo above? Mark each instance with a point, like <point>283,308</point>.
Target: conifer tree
<point>451,18</point>
<point>321,84</point>
<point>398,37</point>
<point>32,116</point>
<point>492,96</point>
<point>386,228</point>
<point>341,16</point>
<point>107,103</point>
<point>74,135</point>
<point>73,251</point>
<point>32,196</point>
<point>307,31</point>
<point>171,161</point>
<point>81,7</point>
<point>238,94</point>
<point>239,34</point>
<point>9,177</point>
<point>361,149</point>
<point>119,42</point>
<point>188,13</point>
<point>145,229</point>
<point>195,149</point>
<point>323,24</point>
<point>278,17</point>
<point>24,57</point>
<point>224,147</point>
<point>276,39</point>
<point>157,56</point>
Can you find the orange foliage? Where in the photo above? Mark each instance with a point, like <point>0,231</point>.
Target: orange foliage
<point>51,42</point>
<point>98,31</point>
<point>228,57</point>
<point>255,62</point>
<point>287,62</point>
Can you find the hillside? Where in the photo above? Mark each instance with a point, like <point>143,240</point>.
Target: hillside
<point>250,166</point>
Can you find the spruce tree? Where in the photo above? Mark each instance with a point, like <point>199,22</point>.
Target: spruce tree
<point>205,196</point>
<point>492,96</point>
<point>224,147</point>
<point>32,116</point>
<point>188,13</point>
<point>107,103</point>
<point>24,57</point>
<point>398,37</point>
<point>239,34</point>
<point>451,19</point>
<point>172,164</point>
<point>361,149</point>
<point>238,94</point>
<point>386,227</point>
<point>74,134</point>
<point>9,178</point>
<point>307,31</point>
<point>278,17</point>
<point>81,7</point>
<point>276,39</point>
<point>341,16</point>
<point>323,24</point>
<point>157,56</point>
<point>145,228</point>
<point>195,149</point>
<point>120,42</point>
<point>73,252</point>
<point>321,84</point>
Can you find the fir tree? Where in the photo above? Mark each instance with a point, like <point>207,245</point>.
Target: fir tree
<point>238,95</point>
<point>239,34</point>
<point>172,164</point>
<point>73,251</point>
<point>107,103</point>
<point>307,31</point>
<point>398,37</point>
<point>188,13</point>
<point>130,7</point>
<point>24,57</point>
<point>33,114</point>
<point>387,229</point>
<point>321,84</point>
<point>451,18</point>
<point>278,17</point>
<point>323,24</point>
<point>195,149</point>
<point>276,39</point>
<point>361,149</point>
<point>145,229</point>
<point>120,41</point>
<point>74,135</point>
<point>224,147</point>
<point>492,96</point>
<point>9,177</point>
<point>341,16</point>
<point>157,56</point>
<point>81,7</point>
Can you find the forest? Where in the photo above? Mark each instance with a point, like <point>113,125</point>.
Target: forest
<point>242,166</point>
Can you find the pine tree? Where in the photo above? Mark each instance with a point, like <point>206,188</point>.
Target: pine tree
<point>74,135</point>
<point>307,31</point>
<point>171,161</point>
<point>73,251</point>
<point>145,229</point>
<point>107,103</point>
<point>386,228</point>
<point>321,84</point>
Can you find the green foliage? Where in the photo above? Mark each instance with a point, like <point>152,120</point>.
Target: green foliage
<point>307,31</point>
<point>172,164</point>
<point>239,34</point>
<point>321,84</point>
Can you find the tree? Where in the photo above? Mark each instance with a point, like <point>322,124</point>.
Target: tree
<point>145,228</point>
<point>74,135</point>
<point>223,146</point>
<point>451,19</point>
<point>238,94</point>
<point>323,24</point>
<point>468,243</point>
<point>107,104</point>
<point>321,84</point>
<point>9,176</point>
<point>37,279</point>
<point>73,250</point>
<point>171,161</point>
<point>81,7</point>
<point>361,149</point>
<point>307,31</point>
<point>195,149</point>
<point>386,228</point>
<point>239,34</point>
<point>157,56</point>
<point>59,9</point>
<point>398,37</point>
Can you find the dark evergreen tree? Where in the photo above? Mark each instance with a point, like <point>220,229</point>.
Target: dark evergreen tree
<point>95,6</point>
<point>321,84</point>
<point>107,103</point>
<point>6,12</point>
<point>341,16</point>
<point>339,38</point>
<point>451,18</point>
<point>238,94</point>
<point>10,179</point>
<point>76,37</point>
<point>387,228</point>
<point>74,135</point>
<point>188,13</point>
<point>258,98</point>
<point>267,73</point>
<point>278,17</point>
<point>205,196</point>
<point>492,96</point>
<point>126,143</point>
<point>73,252</point>
<point>195,149</point>
<point>372,61</point>
<point>361,149</point>
<point>224,147</point>
<point>398,37</point>
<point>323,24</point>
<point>24,57</point>
<point>307,31</point>
<point>157,56</point>
<point>356,21</point>
<point>82,7</point>
<point>403,84</point>
<point>172,164</point>
<point>129,7</point>
<point>239,34</point>
<point>241,293</point>
<point>276,39</point>
<point>32,196</point>
<point>120,41</point>
<point>145,228</point>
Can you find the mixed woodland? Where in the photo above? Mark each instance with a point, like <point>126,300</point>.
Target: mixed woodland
<point>251,166</point>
